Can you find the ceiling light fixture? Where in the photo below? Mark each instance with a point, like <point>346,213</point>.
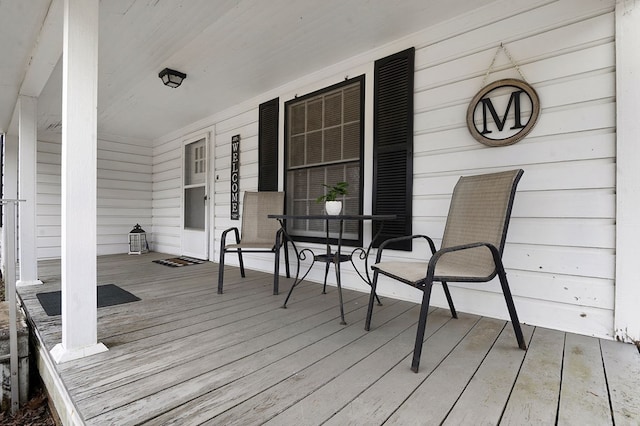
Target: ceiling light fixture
<point>172,78</point>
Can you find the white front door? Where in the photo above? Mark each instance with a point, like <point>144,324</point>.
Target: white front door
<point>195,229</point>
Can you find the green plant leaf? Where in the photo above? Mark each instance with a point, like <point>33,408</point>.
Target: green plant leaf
<point>333,192</point>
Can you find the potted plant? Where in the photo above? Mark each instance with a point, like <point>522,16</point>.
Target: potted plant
<point>331,205</point>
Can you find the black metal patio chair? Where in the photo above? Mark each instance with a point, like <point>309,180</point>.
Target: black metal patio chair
<point>471,249</point>
<point>259,233</point>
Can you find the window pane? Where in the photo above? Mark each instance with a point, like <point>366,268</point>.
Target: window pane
<point>352,104</point>
<point>333,110</point>
<point>316,179</point>
<point>299,207</point>
<point>353,177</point>
<point>335,174</point>
<point>314,148</point>
<point>296,151</point>
<point>333,144</point>
<point>314,115</point>
<point>297,119</point>
<point>351,141</point>
<point>299,185</point>
<point>351,203</point>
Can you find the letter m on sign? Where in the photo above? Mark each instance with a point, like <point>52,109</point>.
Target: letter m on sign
<point>487,105</point>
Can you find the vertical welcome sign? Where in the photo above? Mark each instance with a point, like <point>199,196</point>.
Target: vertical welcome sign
<point>235,177</point>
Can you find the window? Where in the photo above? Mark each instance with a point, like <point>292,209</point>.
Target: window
<point>324,145</point>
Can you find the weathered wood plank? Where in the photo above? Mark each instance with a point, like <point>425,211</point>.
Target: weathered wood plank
<point>379,401</point>
<point>484,399</point>
<point>534,399</point>
<point>275,399</point>
<point>190,344</point>
<point>185,354</point>
<point>320,405</point>
<point>622,364</point>
<point>176,363</point>
<point>210,394</point>
<point>583,397</point>
<point>433,399</point>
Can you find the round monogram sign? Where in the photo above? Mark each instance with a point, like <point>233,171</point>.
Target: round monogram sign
<point>503,112</point>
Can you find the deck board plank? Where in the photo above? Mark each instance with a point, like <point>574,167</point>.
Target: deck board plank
<point>433,399</point>
<point>269,403</point>
<point>622,363</point>
<point>166,368</point>
<point>185,354</point>
<point>534,399</point>
<point>247,319</point>
<point>484,399</point>
<point>209,394</point>
<point>583,397</point>
<point>329,399</point>
<point>376,404</point>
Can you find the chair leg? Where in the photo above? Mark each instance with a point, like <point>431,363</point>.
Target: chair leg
<point>422,326</point>
<point>276,272</point>
<point>241,263</point>
<point>449,300</point>
<point>510,306</point>
<point>372,298</point>
<point>221,270</point>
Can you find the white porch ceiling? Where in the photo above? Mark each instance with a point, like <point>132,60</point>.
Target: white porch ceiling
<point>231,50</point>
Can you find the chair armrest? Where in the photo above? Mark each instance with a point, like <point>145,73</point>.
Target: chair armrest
<point>437,255</point>
<point>223,238</point>
<point>384,245</point>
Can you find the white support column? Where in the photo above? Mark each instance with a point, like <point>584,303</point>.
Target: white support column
<point>10,183</point>
<point>627,289</point>
<point>28,143</point>
<point>79,177</point>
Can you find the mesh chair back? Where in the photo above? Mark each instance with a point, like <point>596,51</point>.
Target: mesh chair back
<point>256,226</point>
<point>479,212</point>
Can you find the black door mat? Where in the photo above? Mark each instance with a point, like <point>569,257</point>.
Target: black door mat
<point>175,262</point>
<point>108,295</point>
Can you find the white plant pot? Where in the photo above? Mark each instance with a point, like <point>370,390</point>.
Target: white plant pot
<point>332,207</point>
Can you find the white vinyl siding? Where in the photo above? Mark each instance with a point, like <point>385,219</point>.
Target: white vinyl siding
<point>166,203</point>
<point>560,246</point>
<point>124,195</point>
<point>560,251</point>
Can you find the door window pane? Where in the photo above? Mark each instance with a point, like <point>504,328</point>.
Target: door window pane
<point>195,163</point>
<point>194,203</point>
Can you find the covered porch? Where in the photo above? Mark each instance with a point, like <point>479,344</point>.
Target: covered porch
<point>186,355</point>
<point>183,351</point>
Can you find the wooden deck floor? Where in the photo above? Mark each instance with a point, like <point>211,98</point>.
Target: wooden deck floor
<point>186,355</point>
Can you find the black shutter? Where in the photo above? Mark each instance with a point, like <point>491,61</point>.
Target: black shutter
<point>393,145</point>
<point>268,146</point>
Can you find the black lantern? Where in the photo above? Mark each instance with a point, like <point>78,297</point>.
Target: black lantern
<point>138,240</point>
<point>172,78</point>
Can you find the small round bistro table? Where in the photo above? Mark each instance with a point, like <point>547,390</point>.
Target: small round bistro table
<point>330,256</point>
